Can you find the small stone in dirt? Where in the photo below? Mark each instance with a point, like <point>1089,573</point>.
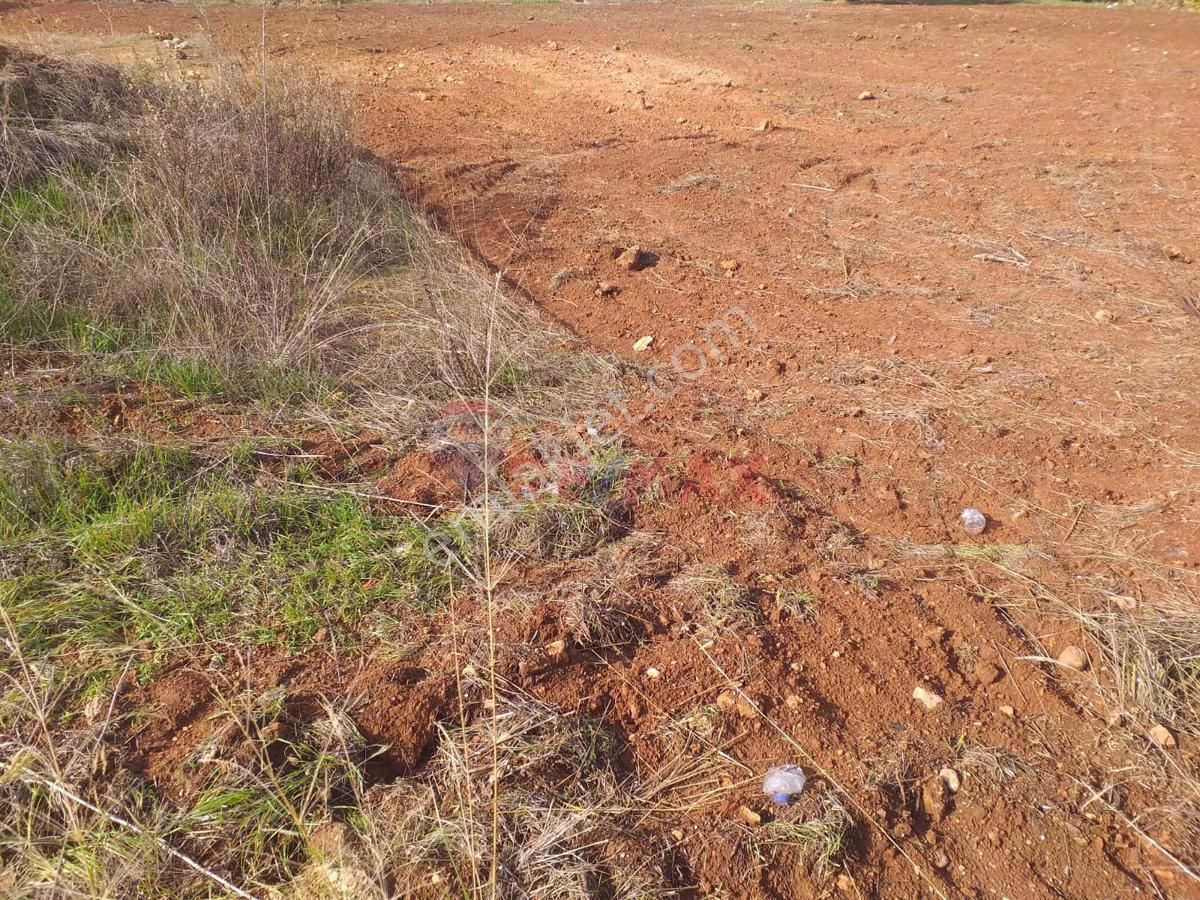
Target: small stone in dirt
<point>866,95</point>
<point>653,673</point>
<point>1161,736</point>
<point>746,709</point>
<point>1165,877</point>
<point>926,698</point>
<point>765,125</point>
<point>940,859</point>
<point>1125,603</point>
<point>1102,317</point>
<point>607,289</point>
<point>962,26</point>
<point>934,798</point>
<point>727,701</point>
<point>1008,711</point>
<point>643,343</point>
<point>1073,658</point>
<point>987,673</point>
<point>845,883</point>
<point>557,651</point>
<point>951,778</point>
<point>754,395</point>
<point>552,45</point>
<point>749,816</point>
<point>635,258</point>
<point>1176,254</point>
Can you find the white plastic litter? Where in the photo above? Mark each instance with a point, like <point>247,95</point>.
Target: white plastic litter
<point>973,520</point>
<point>783,783</point>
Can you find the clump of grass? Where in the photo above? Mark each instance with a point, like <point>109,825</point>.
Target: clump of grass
<point>58,113</point>
<point>995,763</point>
<point>558,804</point>
<point>163,548</point>
<point>236,242</point>
<point>714,599</point>
<point>71,823</point>
<point>891,776</point>
<point>689,767</point>
<point>275,779</point>
<point>236,230</point>
<point>818,834</point>
<point>584,509</point>
<point>1154,651</point>
<point>594,620</point>
<point>687,182</point>
<point>801,604</point>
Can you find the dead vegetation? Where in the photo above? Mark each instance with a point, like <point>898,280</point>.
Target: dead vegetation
<point>229,242</point>
<point>360,295</point>
<point>57,114</point>
<point>235,240</point>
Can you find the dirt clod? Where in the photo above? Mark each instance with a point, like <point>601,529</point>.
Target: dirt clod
<point>1162,736</point>
<point>1073,658</point>
<point>935,798</point>
<point>987,673</point>
<point>634,258</point>
<point>749,816</point>
<point>927,698</point>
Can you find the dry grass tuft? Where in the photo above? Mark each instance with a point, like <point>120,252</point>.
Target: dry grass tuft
<point>238,229</point>
<point>560,805</point>
<point>994,763</point>
<point>55,114</point>
<point>815,828</point>
<point>713,599</point>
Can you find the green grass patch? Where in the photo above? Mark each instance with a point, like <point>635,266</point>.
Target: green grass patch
<point>157,549</point>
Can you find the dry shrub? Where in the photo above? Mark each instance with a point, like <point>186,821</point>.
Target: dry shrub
<point>240,226</point>
<point>57,113</point>
<point>239,230</point>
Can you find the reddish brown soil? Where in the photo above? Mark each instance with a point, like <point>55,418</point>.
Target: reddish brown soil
<point>972,289</point>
